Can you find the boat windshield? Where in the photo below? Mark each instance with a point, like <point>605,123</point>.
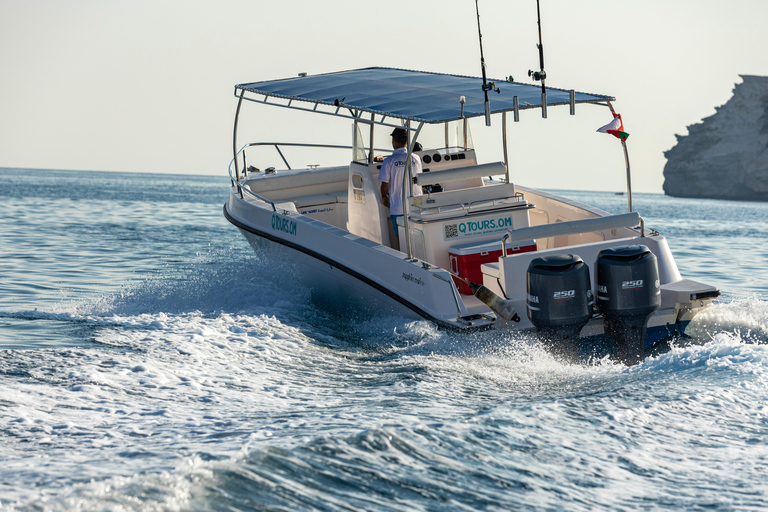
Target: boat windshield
<point>445,138</point>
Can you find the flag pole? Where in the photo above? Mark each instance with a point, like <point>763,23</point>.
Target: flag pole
<point>626,161</point>
<point>629,176</point>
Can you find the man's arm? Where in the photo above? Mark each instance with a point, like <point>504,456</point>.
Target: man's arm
<point>385,193</point>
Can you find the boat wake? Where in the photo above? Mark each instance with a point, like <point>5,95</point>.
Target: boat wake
<point>744,319</point>
<point>227,281</point>
<point>238,289</point>
<point>347,427</point>
<point>217,382</point>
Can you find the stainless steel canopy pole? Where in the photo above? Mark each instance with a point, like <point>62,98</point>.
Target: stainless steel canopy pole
<point>409,145</point>
<point>234,134</point>
<point>370,143</point>
<point>504,141</point>
<point>408,180</point>
<point>462,100</point>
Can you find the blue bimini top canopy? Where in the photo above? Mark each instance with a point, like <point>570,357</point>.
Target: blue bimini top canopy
<point>412,95</point>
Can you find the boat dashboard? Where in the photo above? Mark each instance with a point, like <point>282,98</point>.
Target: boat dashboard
<point>441,160</point>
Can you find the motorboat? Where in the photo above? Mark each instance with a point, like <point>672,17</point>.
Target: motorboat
<point>474,250</point>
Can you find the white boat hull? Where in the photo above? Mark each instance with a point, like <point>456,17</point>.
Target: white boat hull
<point>331,287</point>
<point>346,273</point>
<point>345,269</point>
<point>334,223</point>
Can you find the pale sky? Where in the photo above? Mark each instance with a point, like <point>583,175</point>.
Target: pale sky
<point>147,86</point>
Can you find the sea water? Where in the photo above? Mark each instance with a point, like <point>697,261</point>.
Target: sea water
<point>150,360</point>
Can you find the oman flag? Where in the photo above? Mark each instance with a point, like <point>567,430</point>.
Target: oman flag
<point>615,128</point>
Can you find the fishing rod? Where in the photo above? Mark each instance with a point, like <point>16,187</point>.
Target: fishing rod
<point>503,308</point>
<point>540,75</point>
<point>487,86</point>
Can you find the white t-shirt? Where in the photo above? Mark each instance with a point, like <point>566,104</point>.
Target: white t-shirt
<point>392,169</point>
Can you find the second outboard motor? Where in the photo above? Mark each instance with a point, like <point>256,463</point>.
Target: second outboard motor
<point>628,294</point>
<point>559,301</point>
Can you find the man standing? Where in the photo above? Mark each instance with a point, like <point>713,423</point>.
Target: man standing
<point>391,178</point>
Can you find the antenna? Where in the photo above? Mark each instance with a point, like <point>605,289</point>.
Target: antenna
<point>541,74</point>
<point>486,85</point>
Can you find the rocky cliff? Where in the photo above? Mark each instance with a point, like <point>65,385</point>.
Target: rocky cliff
<point>726,155</point>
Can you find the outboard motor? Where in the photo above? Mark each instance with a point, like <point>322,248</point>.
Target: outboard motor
<point>559,301</point>
<point>628,294</point>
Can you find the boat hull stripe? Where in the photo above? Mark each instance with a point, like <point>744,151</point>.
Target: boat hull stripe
<point>309,252</point>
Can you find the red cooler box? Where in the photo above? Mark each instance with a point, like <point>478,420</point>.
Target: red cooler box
<point>466,259</point>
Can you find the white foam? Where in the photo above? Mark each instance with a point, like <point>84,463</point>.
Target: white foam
<point>747,318</point>
<point>176,376</point>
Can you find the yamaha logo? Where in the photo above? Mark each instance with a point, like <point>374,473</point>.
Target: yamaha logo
<point>533,299</point>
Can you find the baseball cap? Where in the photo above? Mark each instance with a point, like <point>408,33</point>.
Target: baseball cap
<point>399,134</point>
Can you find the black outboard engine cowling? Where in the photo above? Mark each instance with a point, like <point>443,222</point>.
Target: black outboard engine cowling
<point>559,301</point>
<point>628,294</point>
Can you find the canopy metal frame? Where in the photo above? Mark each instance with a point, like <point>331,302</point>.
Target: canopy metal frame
<point>270,93</point>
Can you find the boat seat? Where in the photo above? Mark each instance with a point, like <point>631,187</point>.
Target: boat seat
<point>320,199</point>
<point>297,178</point>
<point>288,185</point>
<point>329,208</point>
<point>300,204</point>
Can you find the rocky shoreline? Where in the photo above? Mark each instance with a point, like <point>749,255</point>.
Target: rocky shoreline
<point>726,155</point>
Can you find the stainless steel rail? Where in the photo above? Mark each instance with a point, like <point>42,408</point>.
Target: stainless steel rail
<point>240,188</point>
<point>572,227</point>
<point>277,145</point>
<point>233,164</point>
